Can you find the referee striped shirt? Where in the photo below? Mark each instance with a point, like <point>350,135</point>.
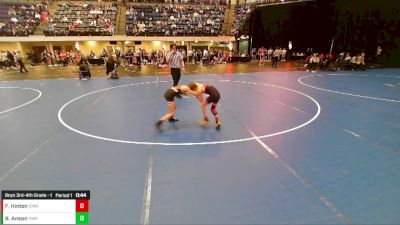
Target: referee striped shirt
<point>175,59</point>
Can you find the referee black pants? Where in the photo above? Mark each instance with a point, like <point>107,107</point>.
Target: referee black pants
<point>176,75</point>
<point>21,66</point>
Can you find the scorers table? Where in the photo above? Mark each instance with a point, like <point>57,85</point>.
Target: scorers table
<point>45,207</point>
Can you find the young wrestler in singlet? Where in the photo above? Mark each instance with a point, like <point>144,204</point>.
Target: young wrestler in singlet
<point>261,53</point>
<point>170,95</point>
<point>213,98</point>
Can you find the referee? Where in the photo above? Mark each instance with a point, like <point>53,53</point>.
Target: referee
<point>175,60</point>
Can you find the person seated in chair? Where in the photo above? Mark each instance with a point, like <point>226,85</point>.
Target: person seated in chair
<point>347,61</point>
<point>314,62</point>
<point>84,70</point>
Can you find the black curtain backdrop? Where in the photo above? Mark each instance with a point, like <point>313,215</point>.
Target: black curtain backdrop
<point>357,25</point>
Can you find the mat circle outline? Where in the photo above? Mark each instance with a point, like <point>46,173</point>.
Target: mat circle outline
<point>341,92</point>
<point>188,143</point>
<point>24,104</point>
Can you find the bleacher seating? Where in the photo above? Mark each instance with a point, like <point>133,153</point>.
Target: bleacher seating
<point>191,2</point>
<point>21,19</point>
<point>174,20</point>
<point>242,15</point>
<point>83,19</point>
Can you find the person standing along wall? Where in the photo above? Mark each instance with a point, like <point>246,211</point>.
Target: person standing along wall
<point>275,57</point>
<point>283,55</point>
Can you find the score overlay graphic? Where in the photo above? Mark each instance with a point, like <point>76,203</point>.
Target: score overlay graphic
<point>45,207</point>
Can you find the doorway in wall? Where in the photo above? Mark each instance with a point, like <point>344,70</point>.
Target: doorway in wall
<point>37,50</point>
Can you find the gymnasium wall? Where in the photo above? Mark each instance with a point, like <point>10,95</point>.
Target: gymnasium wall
<point>10,46</point>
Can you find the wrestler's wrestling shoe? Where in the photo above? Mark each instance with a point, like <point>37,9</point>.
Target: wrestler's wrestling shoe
<point>218,124</point>
<point>171,120</point>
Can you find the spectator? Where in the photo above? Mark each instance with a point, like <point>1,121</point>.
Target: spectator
<point>378,55</point>
<point>14,20</point>
<point>270,52</point>
<point>84,69</point>
<point>275,57</point>
<point>347,61</point>
<point>11,59</point>
<point>111,68</point>
<point>261,53</point>
<point>12,12</point>
<point>78,21</point>
<point>314,61</point>
<point>92,55</point>
<point>63,56</point>
<point>254,54</point>
<point>6,61</point>
<point>284,54</point>
<point>362,61</point>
